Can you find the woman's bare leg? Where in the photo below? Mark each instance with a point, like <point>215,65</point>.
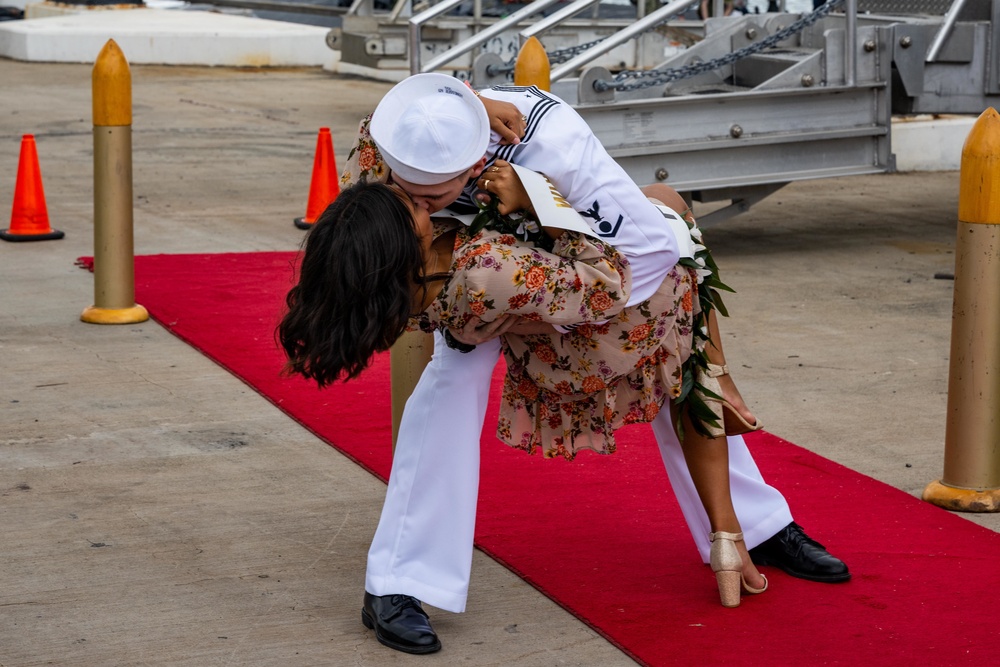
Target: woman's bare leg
<point>708,462</point>
<point>716,355</point>
<point>666,194</point>
<point>670,197</point>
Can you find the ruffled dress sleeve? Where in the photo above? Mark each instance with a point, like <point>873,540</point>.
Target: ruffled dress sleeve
<point>582,280</point>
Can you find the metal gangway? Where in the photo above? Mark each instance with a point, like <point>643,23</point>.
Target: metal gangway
<point>392,42</point>
<point>754,102</point>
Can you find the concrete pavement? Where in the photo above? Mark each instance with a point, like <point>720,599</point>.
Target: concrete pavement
<point>158,511</point>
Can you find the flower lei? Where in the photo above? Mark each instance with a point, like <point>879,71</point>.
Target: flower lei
<point>692,391</point>
<point>521,224</point>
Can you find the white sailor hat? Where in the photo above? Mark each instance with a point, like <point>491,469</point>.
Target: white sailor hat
<point>430,128</point>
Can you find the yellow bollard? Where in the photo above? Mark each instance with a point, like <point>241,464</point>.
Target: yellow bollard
<point>532,66</point>
<point>407,359</point>
<point>114,261</point>
<point>971,481</point>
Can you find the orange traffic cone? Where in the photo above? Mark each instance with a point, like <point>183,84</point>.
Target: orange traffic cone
<point>29,220</point>
<point>325,184</point>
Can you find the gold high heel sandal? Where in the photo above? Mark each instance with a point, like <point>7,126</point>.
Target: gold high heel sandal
<point>728,567</point>
<point>732,421</point>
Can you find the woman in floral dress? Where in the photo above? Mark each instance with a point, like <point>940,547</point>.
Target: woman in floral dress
<point>587,367</point>
<point>375,264</point>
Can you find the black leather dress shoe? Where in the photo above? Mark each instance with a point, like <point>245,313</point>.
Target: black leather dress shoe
<point>801,556</point>
<point>399,622</point>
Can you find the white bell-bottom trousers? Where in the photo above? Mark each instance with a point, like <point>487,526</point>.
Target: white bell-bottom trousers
<point>423,544</point>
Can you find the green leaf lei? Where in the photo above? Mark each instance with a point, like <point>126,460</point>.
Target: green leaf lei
<point>693,392</point>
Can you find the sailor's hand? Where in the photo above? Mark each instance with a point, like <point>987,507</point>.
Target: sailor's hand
<point>525,327</point>
<point>476,331</point>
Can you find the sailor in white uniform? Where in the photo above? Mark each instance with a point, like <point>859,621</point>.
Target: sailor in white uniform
<point>431,131</point>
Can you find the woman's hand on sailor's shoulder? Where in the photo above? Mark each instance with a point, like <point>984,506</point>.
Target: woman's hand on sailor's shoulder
<point>506,120</point>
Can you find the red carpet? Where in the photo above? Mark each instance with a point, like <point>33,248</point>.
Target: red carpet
<point>603,537</point>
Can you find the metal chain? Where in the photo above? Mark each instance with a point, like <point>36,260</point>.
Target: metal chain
<point>555,57</point>
<point>637,79</point>
<point>562,55</point>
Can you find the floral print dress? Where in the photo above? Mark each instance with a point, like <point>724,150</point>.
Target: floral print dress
<point>567,392</point>
<point>364,162</point>
<point>562,393</point>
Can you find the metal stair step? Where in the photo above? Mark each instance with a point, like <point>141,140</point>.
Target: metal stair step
<point>754,70</point>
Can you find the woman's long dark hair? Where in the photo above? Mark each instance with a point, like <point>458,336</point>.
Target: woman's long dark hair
<point>355,290</point>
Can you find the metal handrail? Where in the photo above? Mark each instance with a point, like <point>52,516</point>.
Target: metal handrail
<point>417,21</point>
<point>550,21</point>
<point>664,13</point>
<point>397,9</point>
<point>468,44</point>
<point>851,42</point>
<point>946,27</point>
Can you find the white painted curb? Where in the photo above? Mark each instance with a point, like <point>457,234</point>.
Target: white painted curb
<point>168,37</point>
<point>930,143</point>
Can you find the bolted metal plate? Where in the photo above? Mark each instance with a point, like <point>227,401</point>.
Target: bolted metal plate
<point>333,39</point>
<point>586,93</point>
<point>481,76</point>
<point>784,136</point>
